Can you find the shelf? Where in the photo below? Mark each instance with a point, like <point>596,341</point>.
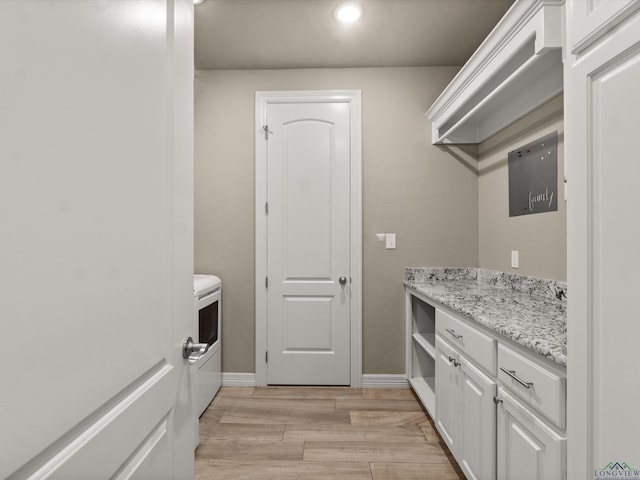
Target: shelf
<point>421,351</point>
<point>425,389</point>
<point>427,342</point>
<point>515,70</point>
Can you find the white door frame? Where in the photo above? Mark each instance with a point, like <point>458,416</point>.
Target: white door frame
<point>263,99</point>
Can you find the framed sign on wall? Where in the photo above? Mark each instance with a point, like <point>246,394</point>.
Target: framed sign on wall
<point>533,177</point>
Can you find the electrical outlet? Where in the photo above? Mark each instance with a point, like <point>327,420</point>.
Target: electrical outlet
<point>515,260</point>
<point>391,241</point>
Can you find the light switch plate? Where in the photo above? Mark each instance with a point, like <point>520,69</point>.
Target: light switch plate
<point>515,260</point>
<point>391,241</point>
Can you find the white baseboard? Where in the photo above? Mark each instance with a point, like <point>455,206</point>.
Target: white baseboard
<point>230,379</point>
<point>385,381</point>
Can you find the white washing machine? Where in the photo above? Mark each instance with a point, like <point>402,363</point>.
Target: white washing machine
<point>207,293</point>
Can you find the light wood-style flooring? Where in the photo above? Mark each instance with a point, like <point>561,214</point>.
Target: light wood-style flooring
<point>317,433</point>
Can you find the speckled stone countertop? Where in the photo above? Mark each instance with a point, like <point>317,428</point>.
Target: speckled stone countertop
<point>528,310</point>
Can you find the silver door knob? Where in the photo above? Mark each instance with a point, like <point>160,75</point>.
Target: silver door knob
<point>342,280</point>
<point>191,351</point>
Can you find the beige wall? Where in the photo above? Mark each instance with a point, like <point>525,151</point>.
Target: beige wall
<point>539,238</point>
<point>410,188</point>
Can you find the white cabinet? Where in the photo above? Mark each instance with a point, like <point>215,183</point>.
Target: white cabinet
<point>602,124</point>
<point>591,20</point>
<point>447,386</point>
<point>531,416</point>
<point>477,446</point>
<point>461,371</point>
<point>468,340</point>
<point>465,412</point>
<point>538,386</point>
<point>515,70</point>
<point>527,447</point>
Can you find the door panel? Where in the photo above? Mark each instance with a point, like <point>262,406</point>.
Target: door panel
<point>97,257</point>
<point>478,415</point>
<point>602,105</point>
<point>308,324</point>
<point>447,409</point>
<point>592,19</point>
<point>308,154</point>
<point>308,237</point>
<point>527,448</point>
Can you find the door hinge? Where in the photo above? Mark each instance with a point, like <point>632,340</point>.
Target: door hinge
<point>266,131</point>
<point>266,208</point>
<point>266,356</point>
<point>266,282</point>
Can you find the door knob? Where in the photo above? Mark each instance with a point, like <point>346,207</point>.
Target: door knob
<point>191,352</point>
<point>342,280</point>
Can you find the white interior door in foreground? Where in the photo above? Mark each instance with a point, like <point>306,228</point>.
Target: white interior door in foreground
<point>96,276</point>
<point>309,292</point>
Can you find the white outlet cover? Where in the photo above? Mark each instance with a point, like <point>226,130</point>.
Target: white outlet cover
<point>391,241</point>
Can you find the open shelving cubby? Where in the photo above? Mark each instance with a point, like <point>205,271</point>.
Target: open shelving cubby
<point>421,322</point>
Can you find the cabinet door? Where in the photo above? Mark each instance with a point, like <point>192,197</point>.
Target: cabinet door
<point>590,20</point>
<point>476,443</point>
<point>527,448</point>
<point>447,393</point>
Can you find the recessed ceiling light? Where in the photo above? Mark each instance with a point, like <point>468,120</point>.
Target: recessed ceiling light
<point>348,12</point>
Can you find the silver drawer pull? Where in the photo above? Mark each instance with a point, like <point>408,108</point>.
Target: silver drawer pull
<point>453,333</point>
<point>512,374</point>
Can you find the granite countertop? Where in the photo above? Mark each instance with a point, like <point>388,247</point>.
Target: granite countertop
<point>528,310</point>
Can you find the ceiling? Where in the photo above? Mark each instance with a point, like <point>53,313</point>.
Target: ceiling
<point>254,34</point>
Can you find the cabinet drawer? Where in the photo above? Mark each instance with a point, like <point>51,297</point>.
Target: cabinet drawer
<point>542,388</point>
<point>479,347</point>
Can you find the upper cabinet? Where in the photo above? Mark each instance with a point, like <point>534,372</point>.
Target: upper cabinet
<point>515,70</point>
<point>590,20</point>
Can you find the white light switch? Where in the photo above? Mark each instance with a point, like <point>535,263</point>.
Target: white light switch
<point>515,260</point>
<point>391,241</point>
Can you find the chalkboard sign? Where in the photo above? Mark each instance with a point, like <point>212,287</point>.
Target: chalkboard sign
<point>533,177</point>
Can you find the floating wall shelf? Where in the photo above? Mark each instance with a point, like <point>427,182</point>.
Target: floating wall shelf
<point>515,70</point>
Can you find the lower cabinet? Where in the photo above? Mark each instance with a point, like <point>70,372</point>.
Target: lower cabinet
<point>527,447</point>
<point>447,386</point>
<point>499,409</point>
<point>465,412</point>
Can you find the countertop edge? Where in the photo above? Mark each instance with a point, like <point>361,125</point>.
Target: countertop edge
<point>536,322</point>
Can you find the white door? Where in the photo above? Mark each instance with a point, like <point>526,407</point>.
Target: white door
<point>308,243</point>
<point>96,235</point>
<point>602,124</point>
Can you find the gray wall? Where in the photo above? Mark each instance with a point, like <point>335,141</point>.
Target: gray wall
<point>540,238</point>
<point>410,187</point>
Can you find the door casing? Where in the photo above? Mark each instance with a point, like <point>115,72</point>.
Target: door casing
<point>262,100</point>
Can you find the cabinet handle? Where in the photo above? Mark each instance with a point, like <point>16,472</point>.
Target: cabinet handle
<point>454,361</point>
<point>453,333</point>
<point>512,374</point>
<point>497,400</point>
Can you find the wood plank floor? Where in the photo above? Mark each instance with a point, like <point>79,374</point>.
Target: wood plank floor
<point>317,433</point>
